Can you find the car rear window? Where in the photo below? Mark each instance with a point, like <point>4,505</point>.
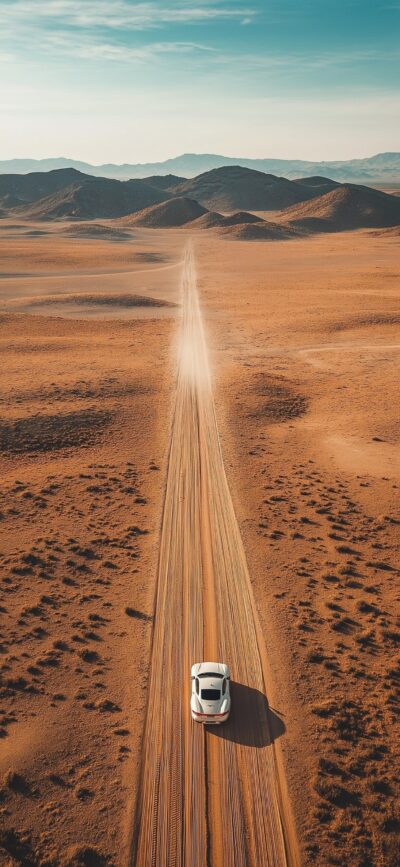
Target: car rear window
<point>210,674</point>
<point>210,694</point>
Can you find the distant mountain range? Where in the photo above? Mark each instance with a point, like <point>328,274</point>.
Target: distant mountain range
<point>382,168</point>
<point>220,199</point>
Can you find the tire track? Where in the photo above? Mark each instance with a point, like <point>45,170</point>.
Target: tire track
<point>209,798</point>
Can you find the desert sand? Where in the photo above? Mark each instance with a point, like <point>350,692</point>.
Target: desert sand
<point>304,344</point>
<point>306,362</point>
<point>85,413</point>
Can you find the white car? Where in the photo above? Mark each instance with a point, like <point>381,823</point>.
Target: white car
<point>210,701</point>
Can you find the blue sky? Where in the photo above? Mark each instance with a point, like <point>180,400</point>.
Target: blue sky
<point>116,80</point>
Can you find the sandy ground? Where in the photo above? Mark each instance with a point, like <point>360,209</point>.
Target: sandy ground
<point>85,410</point>
<point>305,342</point>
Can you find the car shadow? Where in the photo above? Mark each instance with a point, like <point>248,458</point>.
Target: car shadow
<point>252,722</point>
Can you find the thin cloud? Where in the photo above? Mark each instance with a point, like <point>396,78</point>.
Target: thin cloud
<point>100,29</point>
<point>89,49</point>
<point>118,14</point>
<point>105,30</point>
<point>304,61</point>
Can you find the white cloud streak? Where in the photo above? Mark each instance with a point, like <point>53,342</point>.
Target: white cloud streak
<point>307,60</point>
<point>118,14</point>
<point>104,29</point>
<point>87,48</point>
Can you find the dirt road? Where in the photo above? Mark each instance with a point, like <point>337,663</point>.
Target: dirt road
<point>209,797</point>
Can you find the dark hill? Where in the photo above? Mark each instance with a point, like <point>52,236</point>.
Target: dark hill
<point>234,188</point>
<point>212,220</point>
<point>96,230</point>
<point>175,212</point>
<point>165,182</point>
<point>93,198</point>
<point>347,207</point>
<point>37,185</point>
<point>318,184</point>
<point>209,220</point>
<point>261,231</point>
<point>316,181</point>
<point>7,202</point>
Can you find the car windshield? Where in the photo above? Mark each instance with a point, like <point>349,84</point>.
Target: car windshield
<point>210,694</point>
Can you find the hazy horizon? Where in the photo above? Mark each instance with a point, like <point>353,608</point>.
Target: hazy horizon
<point>68,158</point>
<point>143,82</point>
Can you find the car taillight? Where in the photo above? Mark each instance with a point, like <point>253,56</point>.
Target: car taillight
<point>210,714</point>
